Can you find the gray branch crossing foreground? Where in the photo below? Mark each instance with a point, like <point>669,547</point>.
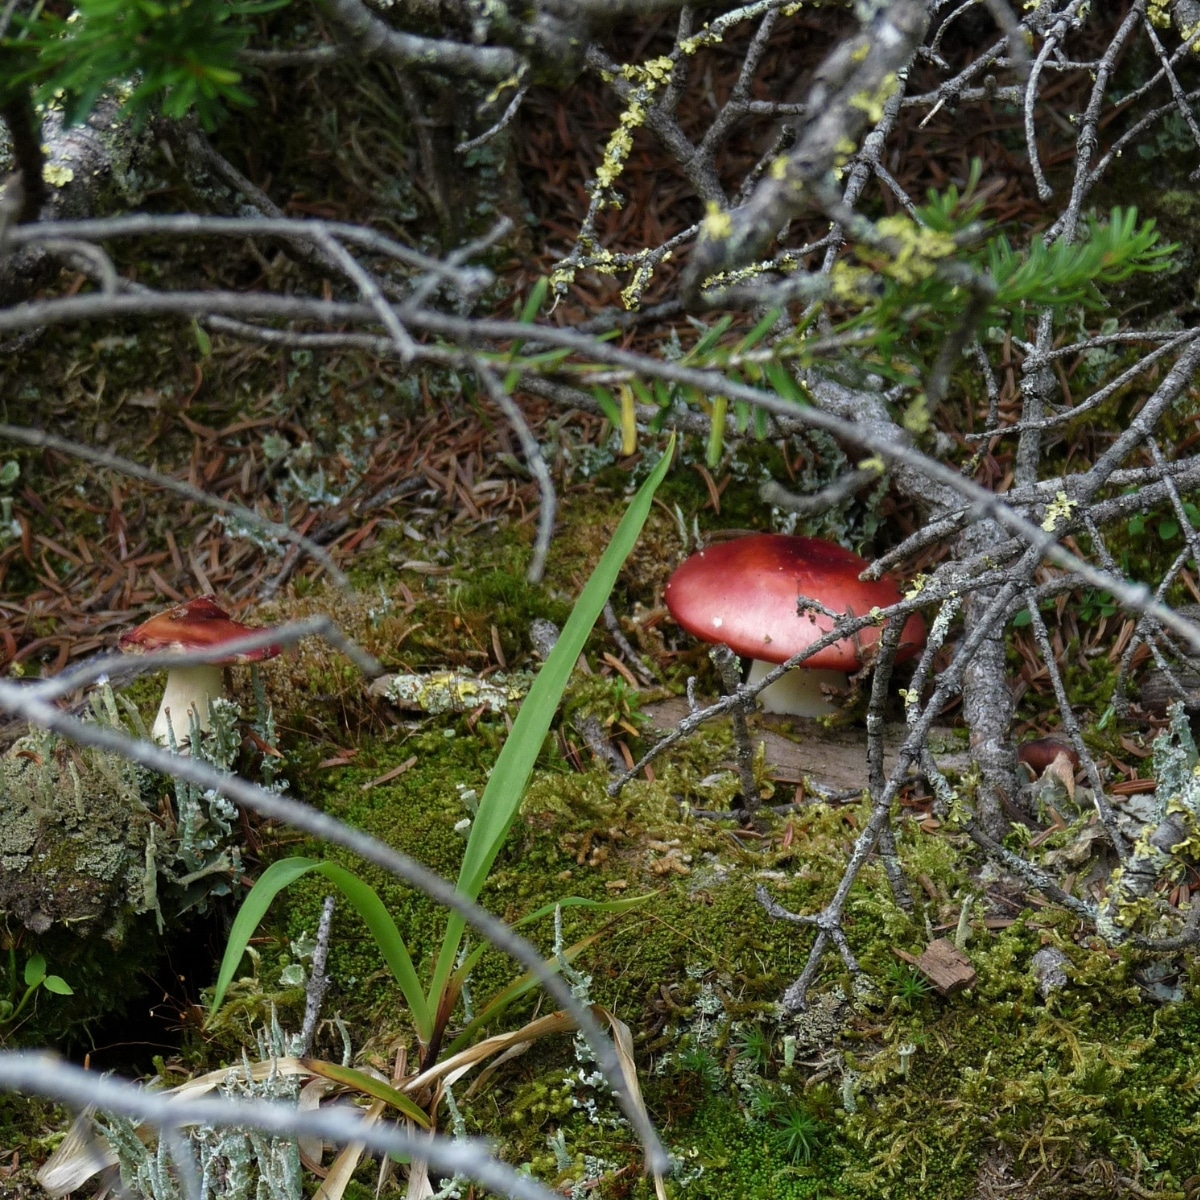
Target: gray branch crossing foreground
<point>484,333</point>
<point>36,1074</point>
<point>371,37</point>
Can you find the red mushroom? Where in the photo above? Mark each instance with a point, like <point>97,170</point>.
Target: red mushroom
<point>1040,753</point>
<point>200,624</point>
<point>744,593</point>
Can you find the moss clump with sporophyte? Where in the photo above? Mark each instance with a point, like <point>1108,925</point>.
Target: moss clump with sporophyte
<point>723,1153</point>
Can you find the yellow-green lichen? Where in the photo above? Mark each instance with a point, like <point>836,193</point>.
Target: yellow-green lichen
<point>718,224</point>
<point>851,284</point>
<point>872,102</point>
<point>1060,508</point>
<point>914,250</point>
<point>57,176</point>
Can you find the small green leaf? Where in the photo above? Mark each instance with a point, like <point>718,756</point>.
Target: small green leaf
<point>700,350</point>
<point>35,970</point>
<point>716,432</point>
<point>203,341</point>
<point>782,383</point>
<point>642,392</point>
<point>58,985</point>
<point>759,332</point>
<point>534,301</point>
<point>611,412</point>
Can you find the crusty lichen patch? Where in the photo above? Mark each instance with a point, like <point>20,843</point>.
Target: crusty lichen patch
<point>73,836</point>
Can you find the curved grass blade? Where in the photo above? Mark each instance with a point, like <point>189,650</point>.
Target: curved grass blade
<point>365,901</point>
<point>368,1085</point>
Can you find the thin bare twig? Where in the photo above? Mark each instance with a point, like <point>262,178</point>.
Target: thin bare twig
<point>318,981</point>
<point>114,462</point>
<point>536,463</point>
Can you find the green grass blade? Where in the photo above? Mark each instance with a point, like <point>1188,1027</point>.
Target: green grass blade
<point>515,990</point>
<point>463,971</point>
<point>364,900</point>
<point>523,983</point>
<point>716,431</point>
<point>506,785</point>
<point>535,300</point>
<point>759,332</point>
<point>368,1085</point>
<point>387,937</point>
<point>608,406</point>
<point>269,884</point>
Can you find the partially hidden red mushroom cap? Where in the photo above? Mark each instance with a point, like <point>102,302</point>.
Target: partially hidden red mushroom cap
<point>1039,753</point>
<point>200,624</point>
<point>743,593</point>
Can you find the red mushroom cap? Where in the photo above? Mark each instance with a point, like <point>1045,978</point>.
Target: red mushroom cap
<point>1039,753</point>
<point>743,593</point>
<point>200,624</point>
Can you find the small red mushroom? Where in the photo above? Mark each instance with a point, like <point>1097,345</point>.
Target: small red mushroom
<point>200,624</point>
<point>744,594</point>
<point>1040,753</point>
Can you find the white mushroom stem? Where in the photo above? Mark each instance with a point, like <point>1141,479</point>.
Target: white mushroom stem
<point>798,693</point>
<point>189,689</point>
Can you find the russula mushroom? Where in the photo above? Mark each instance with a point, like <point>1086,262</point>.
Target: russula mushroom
<point>200,624</point>
<point>1050,758</point>
<point>1041,753</point>
<point>744,594</point>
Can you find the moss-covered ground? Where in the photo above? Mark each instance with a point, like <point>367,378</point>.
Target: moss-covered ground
<point>883,1089</point>
<point>913,1092</point>
<point>886,1090</point>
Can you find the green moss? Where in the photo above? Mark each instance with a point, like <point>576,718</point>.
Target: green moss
<point>994,1075</point>
<point>499,595</point>
<point>1097,1079</point>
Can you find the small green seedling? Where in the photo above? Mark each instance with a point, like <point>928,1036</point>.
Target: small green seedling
<point>35,977</point>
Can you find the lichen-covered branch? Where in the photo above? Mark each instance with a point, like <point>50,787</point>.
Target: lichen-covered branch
<point>856,80</point>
